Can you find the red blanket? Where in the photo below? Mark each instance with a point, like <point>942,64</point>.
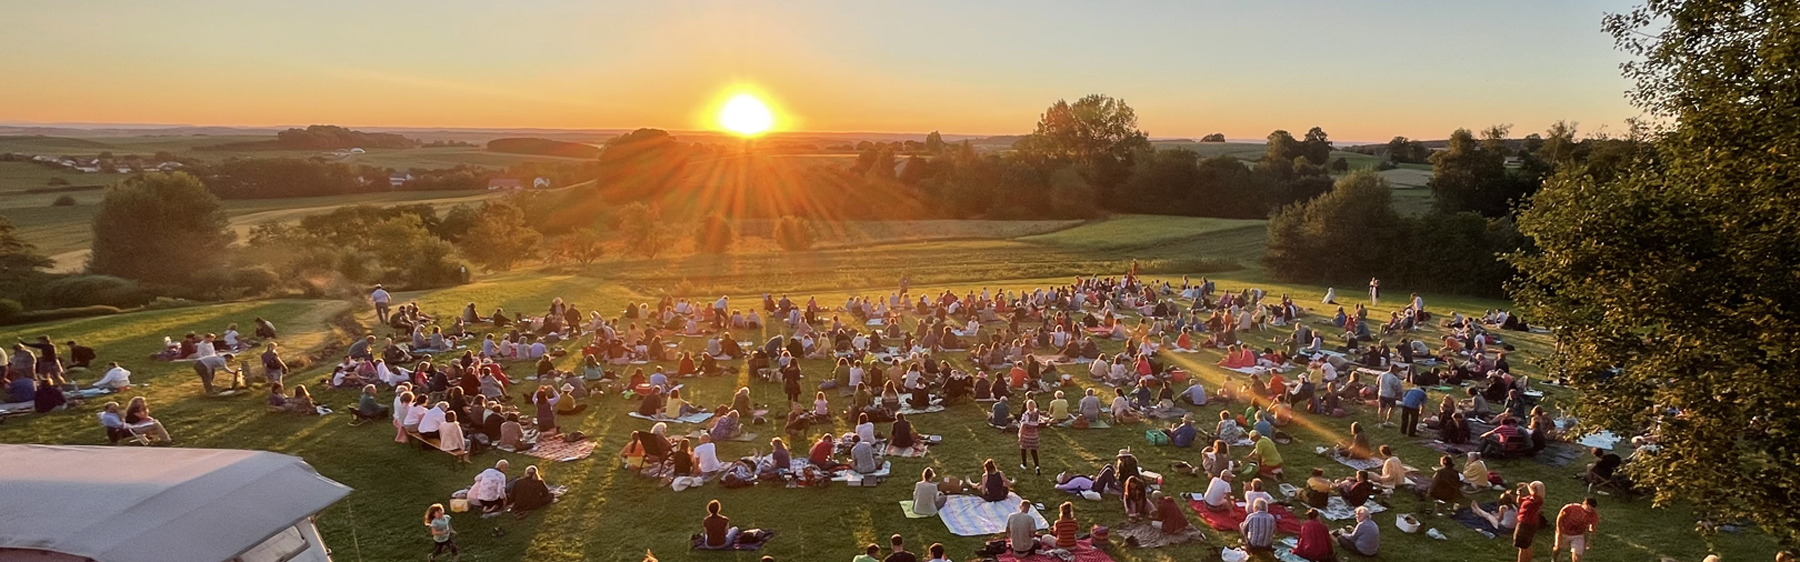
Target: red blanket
<point>1084,551</point>
<point>1285,521</point>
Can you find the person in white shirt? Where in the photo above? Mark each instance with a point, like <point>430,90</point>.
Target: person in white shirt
<point>1254,491</point>
<point>380,297</point>
<point>708,455</point>
<point>433,420</point>
<point>1218,492</point>
<point>451,440</point>
<point>116,378</point>
<point>489,490</point>
<point>402,406</point>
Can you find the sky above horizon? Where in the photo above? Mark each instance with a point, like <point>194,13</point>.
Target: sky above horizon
<point>1363,71</point>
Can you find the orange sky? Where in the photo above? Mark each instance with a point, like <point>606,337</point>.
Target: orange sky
<point>1366,71</point>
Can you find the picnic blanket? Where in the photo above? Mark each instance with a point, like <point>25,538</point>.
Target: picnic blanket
<point>906,508</point>
<point>1084,551</point>
<point>1363,464</point>
<point>1603,439</point>
<point>1450,448</point>
<point>1337,510</point>
<point>971,516</point>
<point>690,418</point>
<point>1096,424</point>
<point>699,541</point>
<point>1230,520</point>
<point>847,475</point>
<point>935,408</point>
<point>556,449</point>
<point>917,450</point>
<point>1559,454</point>
<point>1144,535</point>
<point>1469,519</point>
<point>1170,413</point>
<point>17,408</point>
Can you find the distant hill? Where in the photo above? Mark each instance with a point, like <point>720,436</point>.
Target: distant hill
<point>543,147</point>
<point>320,137</point>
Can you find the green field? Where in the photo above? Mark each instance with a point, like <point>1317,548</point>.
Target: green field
<point>65,233</point>
<point>393,483</point>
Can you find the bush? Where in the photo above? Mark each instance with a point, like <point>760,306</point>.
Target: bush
<point>793,234</point>
<point>1386,165</point>
<point>255,279</point>
<point>10,308</point>
<point>714,236</point>
<point>36,316</point>
<point>64,201</point>
<point>87,290</point>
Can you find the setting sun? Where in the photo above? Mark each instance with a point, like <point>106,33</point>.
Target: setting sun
<point>746,115</point>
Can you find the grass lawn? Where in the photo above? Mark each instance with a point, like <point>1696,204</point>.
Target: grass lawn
<point>1139,231</point>
<point>611,514</point>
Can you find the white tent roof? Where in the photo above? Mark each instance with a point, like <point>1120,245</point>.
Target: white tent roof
<point>130,504</point>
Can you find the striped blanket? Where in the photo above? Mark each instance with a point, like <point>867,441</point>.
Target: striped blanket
<point>971,516</point>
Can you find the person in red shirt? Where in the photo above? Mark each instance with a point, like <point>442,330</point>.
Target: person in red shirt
<point>1531,509</point>
<point>1573,524</point>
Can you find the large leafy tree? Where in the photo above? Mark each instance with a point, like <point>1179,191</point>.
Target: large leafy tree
<point>1342,236</point>
<point>500,237</point>
<point>160,228</point>
<point>1671,285</point>
<point>1094,128</point>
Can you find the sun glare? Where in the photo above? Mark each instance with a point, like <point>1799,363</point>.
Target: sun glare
<point>746,115</point>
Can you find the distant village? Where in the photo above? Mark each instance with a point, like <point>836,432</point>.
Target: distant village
<point>104,165</point>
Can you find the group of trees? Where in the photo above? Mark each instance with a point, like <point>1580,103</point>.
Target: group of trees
<point>320,137</point>
<point>1352,234</point>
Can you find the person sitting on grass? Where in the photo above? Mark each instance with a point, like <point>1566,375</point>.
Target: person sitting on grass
<point>1121,410</point>
<point>1364,538</point>
<point>719,534</point>
<point>1258,527</point>
<point>1315,539</point>
<point>301,403</point>
<point>1357,446</point>
<point>926,496</point>
<point>1505,516</point>
<point>1168,515</point>
<point>1317,492</point>
<point>1356,490</point>
<point>489,490</point>
<point>367,407</point>
<point>529,493</point>
<point>1228,429</point>
<point>1182,433</point>
<point>862,457</point>
<point>993,485</point>
<point>1021,531</point>
<point>1267,457</point>
<point>1393,470</point>
<point>1218,493</point>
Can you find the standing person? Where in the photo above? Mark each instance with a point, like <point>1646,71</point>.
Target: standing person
<point>1410,403</point>
<point>1388,387</point>
<point>1573,523</point>
<point>207,367</point>
<point>1374,291</point>
<point>48,366</point>
<point>380,297</point>
<point>1028,436</point>
<point>1021,531</point>
<point>442,536</point>
<point>273,366</point>
<point>1531,509</point>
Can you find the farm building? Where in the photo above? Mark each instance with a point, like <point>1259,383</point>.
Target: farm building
<point>108,504</point>
<point>504,183</point>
